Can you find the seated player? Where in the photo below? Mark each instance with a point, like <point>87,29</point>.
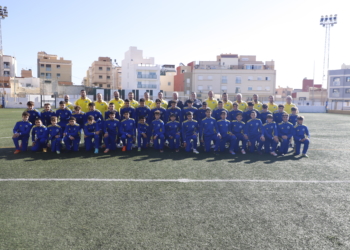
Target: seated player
<point>79,116</point>
<point>277,115</point>
<point>39,136</point>
<point>208,130</point>
<point>248,111</point>
<point>33,113</point>
<point>264,113</point>
<point>294,116</point>
<point>111,130</point>
<point>224,134</point>
<point>54,132</point>
<point>189,108</point>
<point>63,113</point>
<point>234,112</point>
<point>173,132</point>
<point>92,132</point>
<point>143,110</point>
<point>301,136</point>
<point>46,114</point>
<point>72,135</point>
<point>237,128</point>
<point>285,133</point>
<point>127,130</point>
<point>217,111</point>
<point>143,131</point>
<point>253,132</point>
<point>158,131</point>
<point>190,133</point>
<point>173,110</point>
<point>271,135</point>
<point>21,133</point>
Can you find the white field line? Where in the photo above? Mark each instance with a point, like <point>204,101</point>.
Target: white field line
<point>169,180</point>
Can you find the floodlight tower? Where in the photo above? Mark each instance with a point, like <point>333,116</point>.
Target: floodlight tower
<point>327,22</point>
<point>3,14</point>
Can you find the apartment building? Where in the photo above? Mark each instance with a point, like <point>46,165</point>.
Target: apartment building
<point>9,67</point>
<point>167,74</point>
<point>339,84</point>
<point>100,73</point>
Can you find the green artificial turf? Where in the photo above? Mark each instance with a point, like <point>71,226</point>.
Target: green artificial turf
<point>168,215</point>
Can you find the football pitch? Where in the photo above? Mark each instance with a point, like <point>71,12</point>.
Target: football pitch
<point>149,200</point>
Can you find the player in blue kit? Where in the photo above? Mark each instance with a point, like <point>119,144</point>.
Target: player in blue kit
<point>158,130</point>
<point>72,135</point>
<point>54,132</point>
<point>80,116</point>
<point>111,129</point>
<point>173,109</point>
<point>217,111</point>
<point>127,131</point>
<point>285,132</point>
<point>111,107</point>
<point>127,108</point>
<point>224,134</point>
<point>189,108</point>
<point>277,115</point>
<point>173,132</point>
<point>271,135</point>
<point>159,108</point>
<point>294,116</point>
<point>63,113</point>
<point>39,136</point>
<point>234,112</point>
<point>46,114</point>
<point>200,114</point>
<point>143,110</point>
<point>190,133</point>
<point>33,113</point>
<point>248,111</point>
<point>143,132</point>
<point>208,130</point>
<point>301,136</point>
<point>253,132</point>
<point>21,133</point>
<point>264,113</point>
<point>237,128</point>
<point>98,117</point>
<point>92,132</point>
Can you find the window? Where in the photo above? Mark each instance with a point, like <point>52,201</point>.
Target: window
<point>58,75</point>
<point>99,68</point>
<point>256,66</point>
<point>48,67</point>
<point>223,79</point>
<point>244,59</point>
<point>47,82</point>
<point>99,77</point>
<point>347,91</point>
<point>187,92</point>
<point>258,88</point>
<point>250,88</point>
<point>250,78</point>
<point>238,79</point>
<point>209,87</point>
<point>210,77</point>
<point>100,85</point>
<point>238,90</point>
<point>224,88</point>
<point>259,78</point>
<point>108,77</point>
<point>267,78</point>
<point>267,88</point>
<point>335,93</point>
<point>42,74</point>
<point>248,66</point>
<point>48,75</point>
<point>200,88</point>
<point>108,69</point>
<point>42,65</point>
<point>200,77</point>
<point>58,66</point>
<point>169,83</point>
<point>108,85</point>
<point>336,81</point>
<point>348,79</point>
<point>139,84</point>
<point>28,85</point>
<point>188,80</point>
<point>302,98</point>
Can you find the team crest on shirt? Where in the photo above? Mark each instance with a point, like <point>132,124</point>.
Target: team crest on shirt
<point>212,123</point>
<point>85,101</point>
<point>257,124</point>
<point>192,126</point>
<point>288,127</point>
<point>26,126</point>
<point>56,130</point>
<point>240,126</point>
<point>303,129</point>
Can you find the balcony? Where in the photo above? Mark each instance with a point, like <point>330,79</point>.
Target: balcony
<point>146,76</point>
<point>147,86</point>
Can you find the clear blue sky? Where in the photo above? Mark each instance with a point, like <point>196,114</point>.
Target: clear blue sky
<point>179,31</point>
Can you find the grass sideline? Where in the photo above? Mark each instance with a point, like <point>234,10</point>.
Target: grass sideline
<point>165,215</point>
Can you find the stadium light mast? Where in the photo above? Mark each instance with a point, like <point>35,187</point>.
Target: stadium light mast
<point>3,14</point>
<point>327,22</point>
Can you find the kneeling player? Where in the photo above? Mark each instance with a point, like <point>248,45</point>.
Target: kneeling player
<point>285,132</point>
<point>208,130</point>
<point>39,136</point>
<point>158,131</point>
<point>54,135</point>
<point>224,134</point>
<point>142,133</point>
<point>301,136</point>
<point>91,132</point>
<point>237,128</point>
<point>111,130</point>
<point>271,135</point>
<point>127,131</point>
<point>189,133</point>
<point>253,132</point>
<point>21,133</point>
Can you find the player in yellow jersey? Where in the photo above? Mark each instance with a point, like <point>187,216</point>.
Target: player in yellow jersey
<point>271,106</point>
<point>163,103</point>
<point>68,104</point>
<point>211,102</point>
<point>83,101</point>
<point>289,105</point>
<point>101,105</point>
<point>257,104</point>
<point>132,101</point>
<point>118,103</point>
<point>242,105</point>
<point>227,104</point>
<point>148,102</point>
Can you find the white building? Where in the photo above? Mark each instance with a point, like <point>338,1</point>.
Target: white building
<point>139,74</point>
<point>9,66</point>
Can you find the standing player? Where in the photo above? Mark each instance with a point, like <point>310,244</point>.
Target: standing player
<point>293,117</point>
<point>172,133</point>
<point>111,107</point>
<point>63,113</point>
<point>234,112</point>
<point>159,108</point>
<point>285,132</point>
<point>189,108</point>
<point>173,110</point>
<point>132,101</point>
<point>92,132</point>
<point>79,116</point>
<point>277,115</point>
<point>257,104</point>
<point>264,113</point>
<point>39,136</point>
<point>225,135</point>
<point>208,130</point>
<point>46,114</point>
<point>21,133</point>
<point>211,102</point>
<point>158,131</point>
<point>33,113</point>
<point>272,107</point>
<point>217,112</point>
<point>54,135</point>
<point>248,111</point>
<point>72,135</point>
<point>237,128</point>
<point>148,102</point>
<point>301,136</point>
<point>253,132</point>
<point>190,133</point>
<point>201,112</point>
<point>101,105</point>
<point>289,105</point>
<point>95,113</point>
<point>226,103</point>
<point>242,105</point>
<point>118,103</point>
<point>68,104</point>
<point>143,110</point>
<point>163,103</point>
<point>111,130</point>
<point>83,101</point>
<point>128,109</point>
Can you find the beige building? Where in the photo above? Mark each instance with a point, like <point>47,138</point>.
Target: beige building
<point>53,69</point>
<point>281,93</point>
<point>167,74</point>
<point>233,74</point>
<point>103,74</point>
